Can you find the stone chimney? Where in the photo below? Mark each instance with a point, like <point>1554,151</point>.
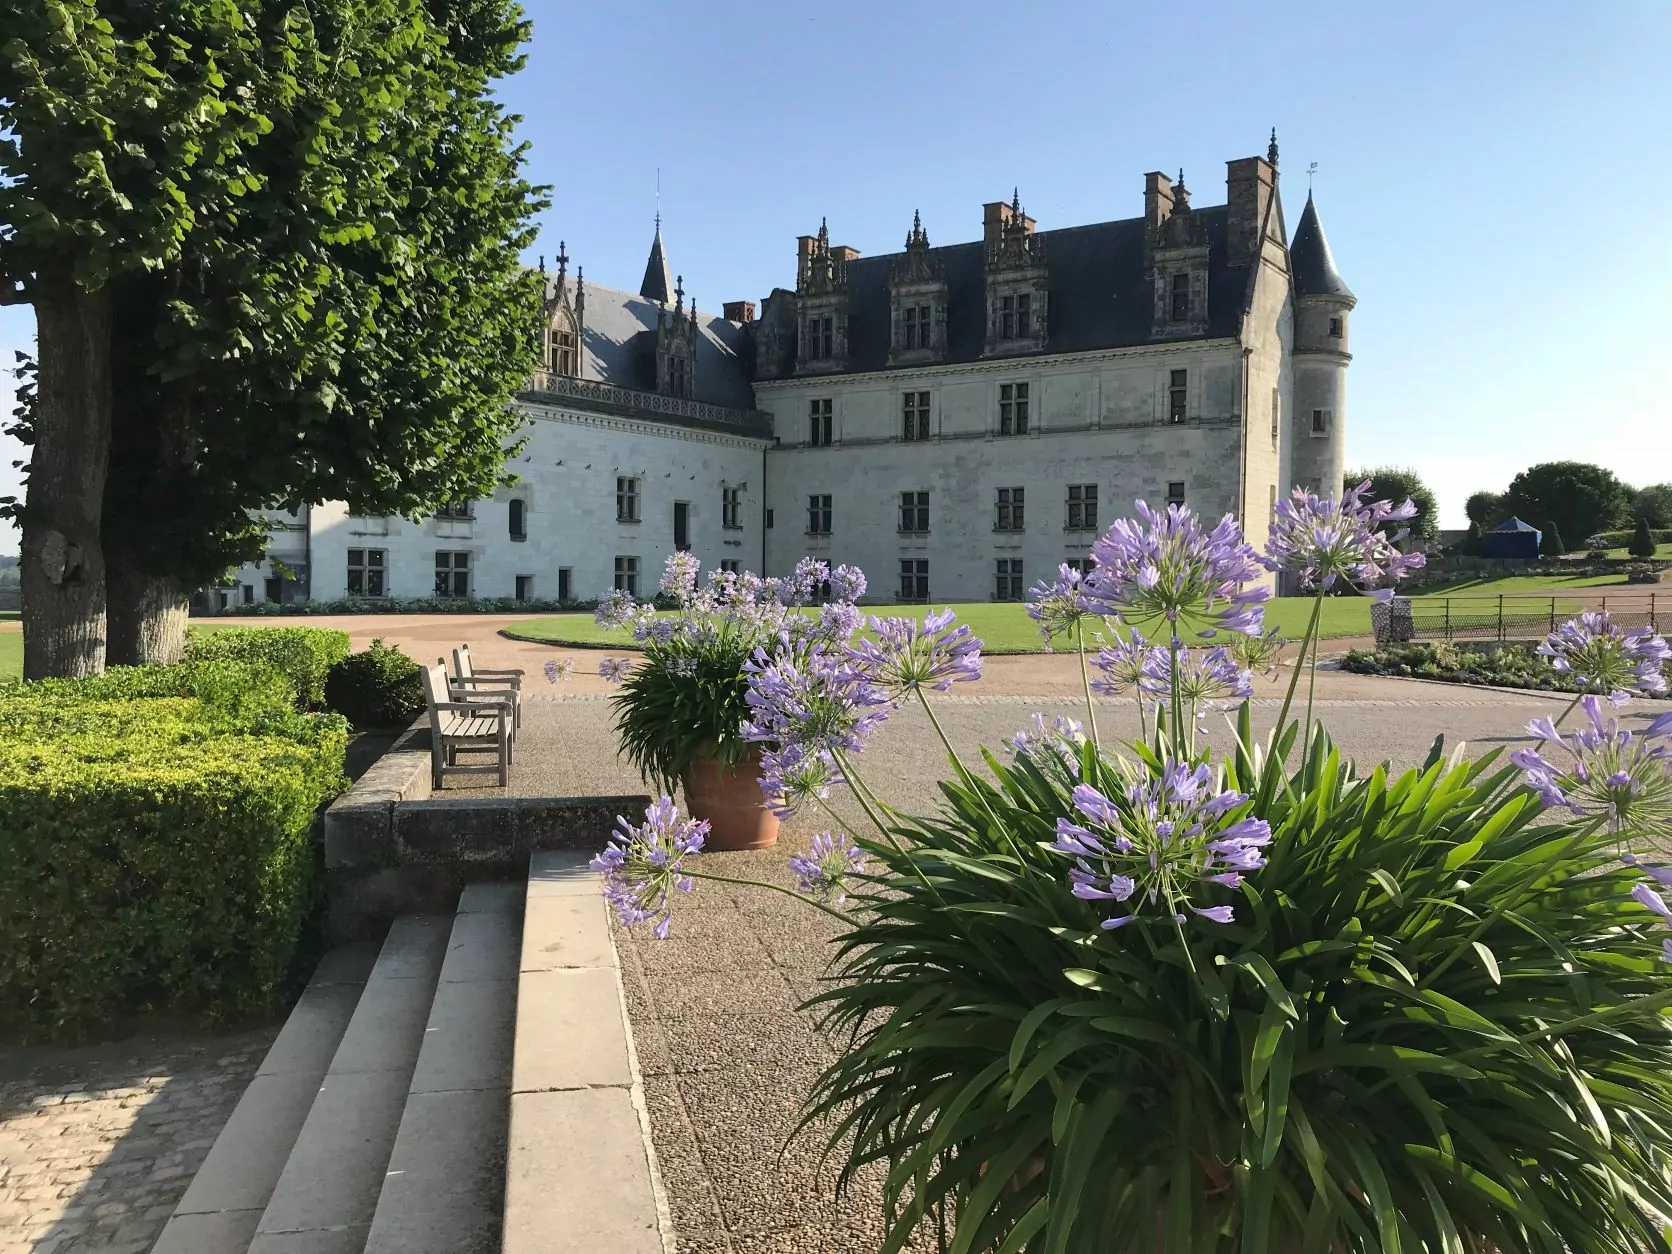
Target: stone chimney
<point>999,214</point>
<point>738,311</point>
<point>1248,187</point>
<point>841,254</point>
<point>803,258</point>
<point>1158,203</point>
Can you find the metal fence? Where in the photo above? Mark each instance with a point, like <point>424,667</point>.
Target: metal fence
<point>1508,618</point>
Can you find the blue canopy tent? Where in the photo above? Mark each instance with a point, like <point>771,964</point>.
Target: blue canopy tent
<point>1511,538</point>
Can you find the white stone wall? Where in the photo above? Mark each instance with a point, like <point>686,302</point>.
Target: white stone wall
<point>1094,418</point>
<point>567,474</point>
<point>1268,334</point>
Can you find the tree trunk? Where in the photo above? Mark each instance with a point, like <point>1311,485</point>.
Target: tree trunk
<point>147,614</point>
<point>63,563</point>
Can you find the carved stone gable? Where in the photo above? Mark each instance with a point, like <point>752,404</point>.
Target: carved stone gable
<point>1017,282</point>
<point>917,302</point>
<point>1179,271</point>
<point>821,297</point>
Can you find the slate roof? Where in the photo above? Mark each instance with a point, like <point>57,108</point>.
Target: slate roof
<point>1310,260</point>
<point>1100,296</point>
<point>618,345</point>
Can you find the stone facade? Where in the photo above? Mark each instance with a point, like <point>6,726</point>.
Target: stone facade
<point>955,420</point>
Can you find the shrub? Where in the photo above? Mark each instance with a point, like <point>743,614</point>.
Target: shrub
<point>411,605</point>
<point>1621,539</point>
<point>1550,543</point>
<point>305,655</point>
<point>238,690</point>
<point>1642,542</point>
<point>379,687</point>
<point>152,857</point>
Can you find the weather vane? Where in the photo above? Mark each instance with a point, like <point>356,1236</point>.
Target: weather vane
<point>1310,171</point>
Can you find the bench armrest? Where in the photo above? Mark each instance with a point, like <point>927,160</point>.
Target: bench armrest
<point>504,672</point>
<point>487,681</point>
<point>472,708</point>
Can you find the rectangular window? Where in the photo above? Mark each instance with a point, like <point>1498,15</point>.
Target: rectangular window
<point>517,519</point>
<point>1181,298</point>
<point>626,499</point>
<point>731,565</point>
<point>1320,421</point>
<point>452,573</point>
<point>1024,316</point>
<point>917,326</point>
<point>914,579</point>
<point>769,518</point>
<point>1009,586</point>
<point>565,583</point>
<point>1178,388</point>
<point>365,572</point>
<point>1013,409</point>
<point>1335,328</point>
<point>1276,414</point>
<point>1082,507</point>
<point>914,421</point>
<point>457,509</point>
<point>731,509</point>
<point>819,421</point>
<point>627,574</point>
<point>1175,492</point>
<point>525,587</point>
<point>1007,317</point>
<point>914,512</point>
<point>824,335</point>
<point>1008,510</point>
<point>249,594</point>
<point>1081,564</point>
<point>818,515</point>
<point>564,357</point>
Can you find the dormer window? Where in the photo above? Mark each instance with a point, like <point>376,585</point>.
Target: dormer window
<point>565,355</point>
<point>917,318</point>
<point>1015,316</point>
<point>1181,297</point>
<point>679,375</point>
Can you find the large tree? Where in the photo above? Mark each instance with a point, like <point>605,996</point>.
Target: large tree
<point>350,328</point>
<point>1579,498</point>
<point>1485,509</point>
<point>1654,503</point>
<point>1396,483</point>
<point>120,126</point>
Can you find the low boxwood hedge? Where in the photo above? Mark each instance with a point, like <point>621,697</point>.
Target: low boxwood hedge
<point>377,687</point>
<point>1495,665</point>
<point>411,605</point>
<point>304,655</point>
<point>155,843</point>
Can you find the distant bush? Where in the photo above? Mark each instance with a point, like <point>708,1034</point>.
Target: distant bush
<point>379,687</point>
<point>304,655</point>
<point>411,605</point>
<point>1500,666</point>
<point>1643,541</point>
<point>1622,539</point>
<point>155,842</point>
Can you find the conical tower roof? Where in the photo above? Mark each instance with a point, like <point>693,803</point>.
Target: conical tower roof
<point>658,282</point>
<point>1310,260</point>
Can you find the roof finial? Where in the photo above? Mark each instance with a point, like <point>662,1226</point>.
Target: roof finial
<point>679,293</point>
<point>542,263</point>
<point>1310,171</point>
<point>658,200</point>
<point>1016,200</point>
<point>1271,148</point>
<point>562,260</point>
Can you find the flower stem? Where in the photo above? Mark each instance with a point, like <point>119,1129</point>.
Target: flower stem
<point>1085,679</point>
<point>777,888</point>
<point>1305,642</point>
<point>939,730</point>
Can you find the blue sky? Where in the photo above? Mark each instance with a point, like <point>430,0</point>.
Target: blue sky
<point>1493,178</point>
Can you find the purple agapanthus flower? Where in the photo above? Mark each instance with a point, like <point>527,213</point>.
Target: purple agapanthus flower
<point>1624,776</point>
<point>1165,568</point>
<point>643,864</point>
<point>1325,539</point>
<point>1200,676</point>
<point>847,583</point>
<point>616,608</point>
<point>1163,841</point>
<point>903,656</point>
<point>824,870</point>
<point>1650,898</point>
<point>794,775</point>
<point>558,669</point>
<point>679,576</point>
<point>614,670</point>
<point>1059,607</point>
<point>1121,666</point>
<point>1059,738</point>
<point>1605,657</point>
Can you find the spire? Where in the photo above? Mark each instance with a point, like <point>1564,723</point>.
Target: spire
<point>562,262</point>
<point>917,237</point>
<point>658,283</point>
<point>679,293</point>
<point>1310,260</point>
<point>1181,193</point>
<point>1271,149</point>
<point>1016,201</point>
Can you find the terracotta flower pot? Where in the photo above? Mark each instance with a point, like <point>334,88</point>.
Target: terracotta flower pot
<point>731,802</point>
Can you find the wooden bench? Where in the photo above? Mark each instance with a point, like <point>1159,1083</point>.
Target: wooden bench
<point>463,724</point>
<point>504,685</point>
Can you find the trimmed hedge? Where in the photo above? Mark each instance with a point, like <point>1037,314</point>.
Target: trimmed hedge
<point>1619,539</point>
<point>378,687</point>
<point>156,850</point>
<point>304,655</point>
<point>1495,665</point>
<point>410,605</point>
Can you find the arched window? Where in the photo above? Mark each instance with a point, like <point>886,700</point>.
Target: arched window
<point>519,520</point>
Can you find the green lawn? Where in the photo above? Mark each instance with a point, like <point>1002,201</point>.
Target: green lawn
<point>1003,628</point>
<point>1476,585</point>
<point>11,653</point>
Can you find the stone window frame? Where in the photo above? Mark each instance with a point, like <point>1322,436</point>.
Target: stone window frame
<point>915,409</point>
<point>914,580</point>
<point>819,514</point>
<point>564,356</point>
<point>1086,505</point>
<point>1014,411</point>
<point>1176,491</point>
<point>731,508</point>
<point>1177,394</point>
<point>366,568</point>
<point>627,573</point>
<point>821,421</point>
<point>914,512</point>
<point>516,519</point>
<point>1009,509</point>
<point>1009,582</point>
<point>917,329</point>
<point>1322,421</point>
<point>452,571</point>
<point>627,499</point>
<point>1337,328</point>
<point>519,588</point>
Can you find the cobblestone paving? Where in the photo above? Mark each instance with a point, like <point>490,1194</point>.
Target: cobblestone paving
<point>97,1145</point>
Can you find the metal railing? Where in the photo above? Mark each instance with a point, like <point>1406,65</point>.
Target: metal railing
<point>1509,617</point>
<point>751,421</point>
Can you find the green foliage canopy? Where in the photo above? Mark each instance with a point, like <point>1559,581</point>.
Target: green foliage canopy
<point>1395,483</point>
<point>1579,498</point>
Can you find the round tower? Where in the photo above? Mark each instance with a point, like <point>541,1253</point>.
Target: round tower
<point>1323,306</point>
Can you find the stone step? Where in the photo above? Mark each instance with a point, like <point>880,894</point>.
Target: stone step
<point>223,1204</point>
<point>327,1193</point>
<point>580,1172</point>
<point>445,1187</point>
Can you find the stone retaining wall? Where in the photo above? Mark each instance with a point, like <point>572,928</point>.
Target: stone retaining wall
<point>391,848</point>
